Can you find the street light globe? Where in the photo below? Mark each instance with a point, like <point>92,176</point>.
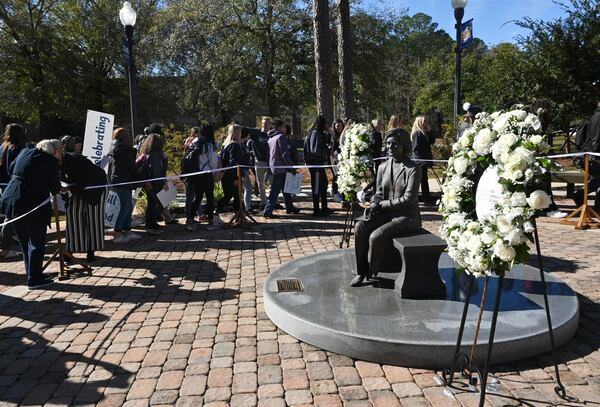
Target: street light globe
<point>459,4</point>
<point>127,15</point>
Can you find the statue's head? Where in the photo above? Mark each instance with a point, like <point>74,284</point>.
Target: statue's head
<point>398,144</point>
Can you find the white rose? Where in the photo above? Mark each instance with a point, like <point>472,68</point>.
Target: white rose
<point>503,224</point>
<point>508,139</point>
<point>518,199</point>
<point>515,237</point>
<point>502,146</point>
<point>518,114</point>
<point>488,237</point>
<point>500,124</point>
<point>539,200</point>
<point>504,252</point>
<point>525,154</point>
<point>450,202</point>
<point>482,143</point>
<point>514,175</point>
<point>460,165</point>
<point>536,139</point>
<point>466,139</point>
<point>515,163</point>
<point>472,155</point>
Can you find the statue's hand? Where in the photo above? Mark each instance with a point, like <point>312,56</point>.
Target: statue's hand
<point>385,205</point>
<point>375,210</point>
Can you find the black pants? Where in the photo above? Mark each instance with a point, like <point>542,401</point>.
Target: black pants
<point>229,191</point>
<point>424,181</point>
<point>31,232</point>
<point>6,235</point>
<point>372,238</point>
<point>203,185</point>
<point>153,210</point>
<point>318,184</point>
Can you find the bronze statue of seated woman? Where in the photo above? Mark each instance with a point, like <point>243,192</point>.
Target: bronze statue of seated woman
<point>394,210</point>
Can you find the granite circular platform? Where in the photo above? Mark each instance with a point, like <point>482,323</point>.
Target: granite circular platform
<point>373,323</point>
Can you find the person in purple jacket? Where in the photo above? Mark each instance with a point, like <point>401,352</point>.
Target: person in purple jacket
<point>279,156</point>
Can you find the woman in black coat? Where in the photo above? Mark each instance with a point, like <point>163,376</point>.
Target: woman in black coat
<point>121,169</point>
<point>316,153</point>
<point>35,177</point>
<point>421,142</point>
<point>84,207</point>
<point>152,164</point>
<point>13,142</point>
<point>231,156</point>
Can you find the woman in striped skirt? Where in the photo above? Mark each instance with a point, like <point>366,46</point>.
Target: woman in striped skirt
<point>85,207</point>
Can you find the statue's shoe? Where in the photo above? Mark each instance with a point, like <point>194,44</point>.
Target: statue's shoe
<point>357,281</point>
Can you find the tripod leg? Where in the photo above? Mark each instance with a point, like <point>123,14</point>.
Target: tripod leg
<point>345,226</point>
<point>559,389</point>
<point>486,367</point>
<point>448,374</point>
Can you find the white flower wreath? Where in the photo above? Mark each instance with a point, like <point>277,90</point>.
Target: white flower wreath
<point>508,143</point>
<point>356,152</point>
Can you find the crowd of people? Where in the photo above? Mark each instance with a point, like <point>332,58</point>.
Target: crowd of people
<point>249,161</point>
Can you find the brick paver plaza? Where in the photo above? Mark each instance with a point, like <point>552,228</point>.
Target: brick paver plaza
<point>179,320</point>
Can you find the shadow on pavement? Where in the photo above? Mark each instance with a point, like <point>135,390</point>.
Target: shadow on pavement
<point>34,371</point>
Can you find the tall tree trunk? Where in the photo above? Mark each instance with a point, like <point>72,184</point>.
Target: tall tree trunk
<point>344,36</point>
<point>323,64</point>
<point>269,60</point>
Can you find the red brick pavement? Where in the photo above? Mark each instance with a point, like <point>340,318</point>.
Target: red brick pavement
<point>179,320</point>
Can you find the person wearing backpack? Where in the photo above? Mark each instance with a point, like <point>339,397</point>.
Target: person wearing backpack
<point>204,184</point>
<point>152,163</point>
<point>189,164</point>
<point>316,153</point>
<point>121,169</point>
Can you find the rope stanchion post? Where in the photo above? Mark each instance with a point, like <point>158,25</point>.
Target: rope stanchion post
<point>241,217</point>
<point>61,254</point>
<point>588,217</point>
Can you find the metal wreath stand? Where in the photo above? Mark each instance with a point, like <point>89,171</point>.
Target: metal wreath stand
<point>464,364</point>
<point>349,223</point>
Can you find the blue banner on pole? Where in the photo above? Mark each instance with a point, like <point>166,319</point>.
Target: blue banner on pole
<point>466,34</point>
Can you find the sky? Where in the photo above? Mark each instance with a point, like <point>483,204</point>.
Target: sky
<point>489,15</point>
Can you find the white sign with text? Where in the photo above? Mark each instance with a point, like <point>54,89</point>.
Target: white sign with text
<point>98,135</point>
<point>112,206</point>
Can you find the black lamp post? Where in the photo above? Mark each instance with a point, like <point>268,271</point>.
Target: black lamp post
<point>128,16</point>
<point>459,13</point>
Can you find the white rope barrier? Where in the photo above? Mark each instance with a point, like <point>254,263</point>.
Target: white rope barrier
<point>25,214</point>
<point>294,167</point>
